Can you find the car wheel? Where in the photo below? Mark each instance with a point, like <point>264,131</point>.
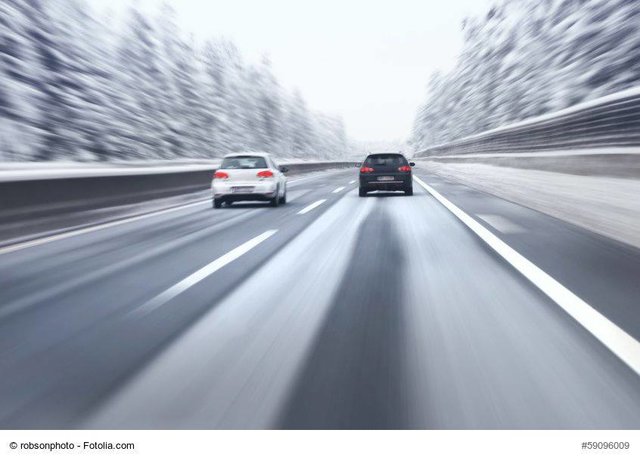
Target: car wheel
<point>276,199</point>
<point>362,192</point>
<point>408,191</point>
<point>217,203</point>
<point>283,199</point>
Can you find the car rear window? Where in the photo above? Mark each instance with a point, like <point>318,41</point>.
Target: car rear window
<point>386,160</point>
<point>244,162</point>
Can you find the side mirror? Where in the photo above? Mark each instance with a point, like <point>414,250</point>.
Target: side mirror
<point>283,169</point>
<point>412,163</point>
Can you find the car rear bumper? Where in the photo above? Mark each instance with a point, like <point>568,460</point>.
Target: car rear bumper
<point>246,197</point>
<point>372,182</point>
<point>246,191</point>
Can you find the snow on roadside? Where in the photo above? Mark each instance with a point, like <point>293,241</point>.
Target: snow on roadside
<point>605,205</point>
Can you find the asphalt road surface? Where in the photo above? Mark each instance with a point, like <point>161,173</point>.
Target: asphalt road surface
<point>333,311</point>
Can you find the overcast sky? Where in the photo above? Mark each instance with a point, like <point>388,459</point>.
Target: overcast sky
<point>368,61</point>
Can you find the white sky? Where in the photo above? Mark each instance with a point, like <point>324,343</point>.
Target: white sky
<point>368,61</point>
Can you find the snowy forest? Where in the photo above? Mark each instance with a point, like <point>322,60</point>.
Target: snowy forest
<point>76,86</point>
<point>524,58</point>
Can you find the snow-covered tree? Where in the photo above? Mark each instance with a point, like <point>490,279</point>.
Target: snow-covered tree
<point>74,86</point>
<point>524,58</point>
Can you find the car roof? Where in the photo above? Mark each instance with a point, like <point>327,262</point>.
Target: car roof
<point>385,153</point>
<point>243,154</point>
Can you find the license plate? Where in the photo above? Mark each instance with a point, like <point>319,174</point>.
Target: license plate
<point>385,178</point>
<point>242,189</point>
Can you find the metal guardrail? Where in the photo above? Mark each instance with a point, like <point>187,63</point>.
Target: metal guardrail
<point>612,121</point>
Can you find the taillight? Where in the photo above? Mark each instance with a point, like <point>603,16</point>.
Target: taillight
<point>404,169</point>
<point>265,174</point>
<point>366,169</point>
<point>220,175</point>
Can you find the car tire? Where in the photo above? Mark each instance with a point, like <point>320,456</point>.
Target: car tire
<point>408,191</point>
<point>275,200</point>
<point>283,199</point>
<point>217,203</point>
<point>362,192</point>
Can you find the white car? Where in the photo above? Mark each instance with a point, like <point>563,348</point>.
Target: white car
<point>251,176</point>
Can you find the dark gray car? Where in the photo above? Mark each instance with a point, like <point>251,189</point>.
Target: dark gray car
<point>386,171</point>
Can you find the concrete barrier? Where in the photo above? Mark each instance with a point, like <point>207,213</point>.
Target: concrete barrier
<point>615,165</point>
<point>32,196</point>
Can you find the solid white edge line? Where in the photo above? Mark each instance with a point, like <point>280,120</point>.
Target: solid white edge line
<point>199,275</point>
<point>312,206</point>
<point>623,345</point>
<point>341,188</point>
<point>86,230</point>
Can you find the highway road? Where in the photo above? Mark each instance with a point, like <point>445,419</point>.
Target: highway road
<point>333,311</point>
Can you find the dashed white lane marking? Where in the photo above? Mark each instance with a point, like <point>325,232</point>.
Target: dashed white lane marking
<point>352,182</point>
<point>501,224</point>
<point>86,230</point>
<point>200,274</point>
<point>312,206</point>
<point>613,337</point>
<point>338,190</point>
